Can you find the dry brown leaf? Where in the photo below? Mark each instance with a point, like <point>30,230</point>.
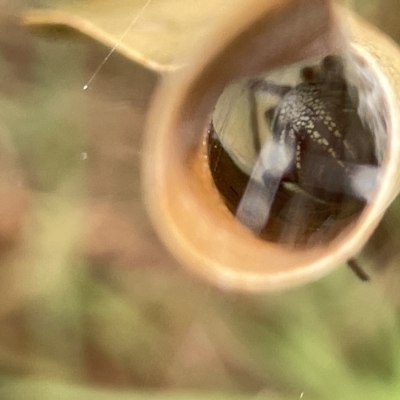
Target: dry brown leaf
<point>151,33</point>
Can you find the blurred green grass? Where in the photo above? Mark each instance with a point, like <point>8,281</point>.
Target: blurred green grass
<point>106,321</point>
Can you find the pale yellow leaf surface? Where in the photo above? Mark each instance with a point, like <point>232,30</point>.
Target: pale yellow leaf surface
<point>150,32</point>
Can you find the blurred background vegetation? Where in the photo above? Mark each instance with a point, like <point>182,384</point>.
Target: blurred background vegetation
<point>93,307</point>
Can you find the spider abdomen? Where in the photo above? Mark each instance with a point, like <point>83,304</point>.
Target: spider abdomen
<point>319,120</point>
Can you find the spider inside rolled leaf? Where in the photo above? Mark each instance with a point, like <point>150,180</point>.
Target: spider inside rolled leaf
<point>224,187</point>
<point>314,148</point>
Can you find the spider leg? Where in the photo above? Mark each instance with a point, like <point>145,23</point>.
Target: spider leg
<point>254,123</point>
<point>255,205</point>
<point>358,270</point>
<point>269,115</point>
<point>270,87</point>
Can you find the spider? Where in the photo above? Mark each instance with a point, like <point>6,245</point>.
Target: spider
<point>318,120</point>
